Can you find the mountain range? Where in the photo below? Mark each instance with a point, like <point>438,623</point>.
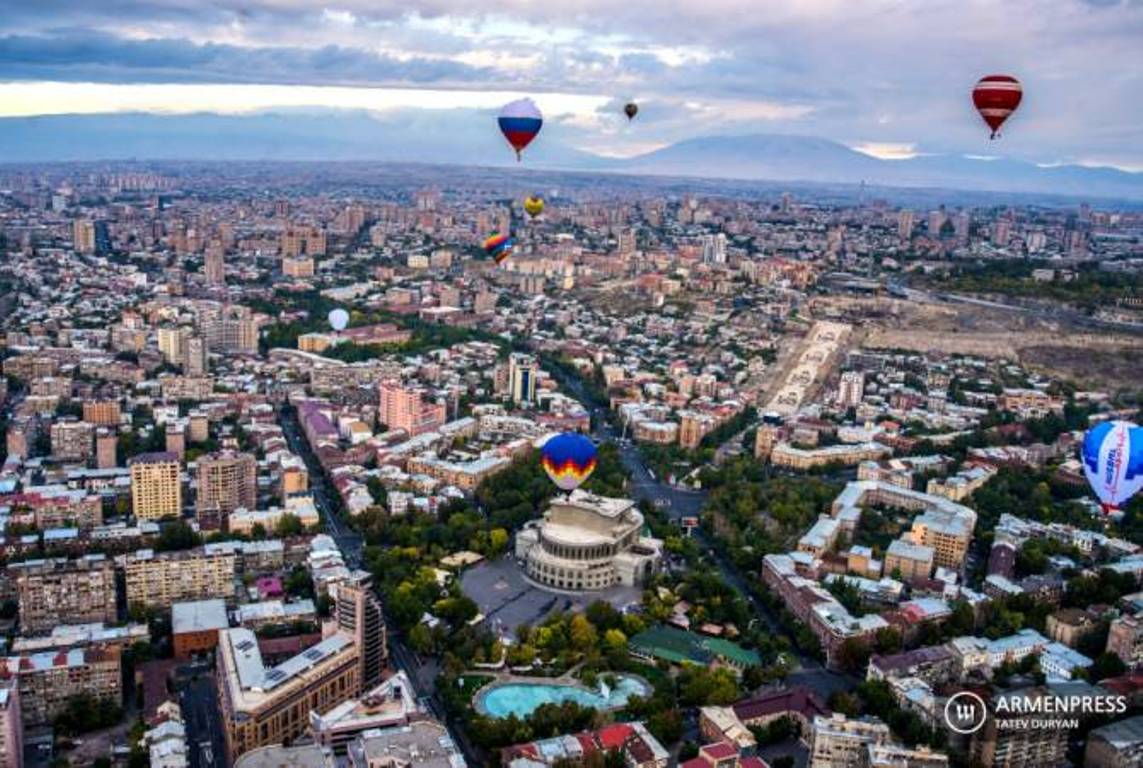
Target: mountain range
<point>446,137</point>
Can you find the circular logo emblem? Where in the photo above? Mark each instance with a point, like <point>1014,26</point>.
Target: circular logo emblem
<point>965,712</point>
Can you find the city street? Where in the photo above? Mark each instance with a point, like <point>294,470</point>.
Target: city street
<point>199,702</point>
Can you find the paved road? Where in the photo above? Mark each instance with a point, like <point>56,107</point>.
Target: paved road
<point>205,738</point>
<point>422,673</point>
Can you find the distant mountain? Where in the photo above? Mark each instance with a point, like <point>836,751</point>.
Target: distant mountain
<point>804,158</point>
<point>448,137</point>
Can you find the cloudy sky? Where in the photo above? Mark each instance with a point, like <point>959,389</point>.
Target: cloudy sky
<point>891,77</point>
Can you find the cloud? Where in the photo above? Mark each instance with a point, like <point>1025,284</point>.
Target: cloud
<point>889,72</point>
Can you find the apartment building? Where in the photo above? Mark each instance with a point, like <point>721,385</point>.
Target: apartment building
<point>408,408</point>
<point>50,592</point>
<point>840,742</point>
<point>72,440</point>
<point>156,490</point>
<point>47,680</point>
<point>225,481</point>
<point>262,705</point>
<point>103,413</point>
<point>358,613</point>
<point>159,580</point>
<point>11,726</point>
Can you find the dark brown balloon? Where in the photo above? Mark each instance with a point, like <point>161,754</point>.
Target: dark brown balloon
<point>631,109</point>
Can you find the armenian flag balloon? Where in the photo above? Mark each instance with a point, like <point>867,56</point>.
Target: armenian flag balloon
<point>569,459</point>
<point>534,206</point>
<point>996,98</point>
<point>1112,456</point>
<point>520,121</point>
<point>499,246</point>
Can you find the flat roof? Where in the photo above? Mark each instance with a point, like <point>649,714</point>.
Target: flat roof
<point>199,616</point>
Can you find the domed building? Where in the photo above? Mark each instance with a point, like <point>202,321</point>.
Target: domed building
<point>586,542</point>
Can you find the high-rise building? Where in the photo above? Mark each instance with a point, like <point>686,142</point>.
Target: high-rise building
<point>626,244</point>
<point>195,360</point>
<point>714,249</point>
<point>11,726</point>
<point>156,490</point>
<point>101,235</point>
<point>172,344</point>
<point>905,225</point>
<point>228,328</point>
<point>225,481</point>
<point>158,580</point>
<point>851,389</point>
<point>106,449</point>
<point>83,235</point>
<point>1003,743</point>
<point>358,613</point>
<point>522,377</point>
<point>49,592</point>
<point>408,408</point>
<point>214,266</point>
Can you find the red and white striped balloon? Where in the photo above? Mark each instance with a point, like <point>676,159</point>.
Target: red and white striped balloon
<point>996,97</point>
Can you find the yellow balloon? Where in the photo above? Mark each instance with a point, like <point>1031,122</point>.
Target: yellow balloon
<point>534,206</point>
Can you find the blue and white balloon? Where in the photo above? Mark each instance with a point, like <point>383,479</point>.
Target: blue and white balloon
<point>1112,456</point>
<point>338,319</point>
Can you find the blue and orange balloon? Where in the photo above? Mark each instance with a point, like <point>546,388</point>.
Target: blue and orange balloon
<point>569,459</point>
<point>1112,456</point>
<point>520,121</point>
<point>499,246</point>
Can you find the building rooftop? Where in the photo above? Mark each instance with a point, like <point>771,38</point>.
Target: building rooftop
<point>199,616</point>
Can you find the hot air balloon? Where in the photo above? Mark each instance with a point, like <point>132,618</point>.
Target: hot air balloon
<point>630,109</point>
<point>499,246</point>
<point>534,206</point>
<point>1112,455</point>
<point>569,459</point>
<point>338,319</point>
<point>520,121</point>
<point>996,97</point>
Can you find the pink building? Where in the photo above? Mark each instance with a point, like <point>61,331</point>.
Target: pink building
<point>405,407</point>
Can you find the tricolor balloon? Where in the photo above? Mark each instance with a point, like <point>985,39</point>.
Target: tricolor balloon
<point>569,459</point>
<point>499,246</point>
<point>1112,456</point>
<point>520,121</point>
<point>995,98</point>
<point>338,319</point>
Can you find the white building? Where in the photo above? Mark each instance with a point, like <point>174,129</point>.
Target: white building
<point>588,542</point>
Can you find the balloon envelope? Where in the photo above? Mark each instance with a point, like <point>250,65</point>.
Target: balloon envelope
<point>995,98</point>
<point>520,121</point>
<point>534,206</point>
<point>631,109</point>
<point>338,319</point>
<point>569,459</point>
<point>499,246</point>
<point>1112,456</point>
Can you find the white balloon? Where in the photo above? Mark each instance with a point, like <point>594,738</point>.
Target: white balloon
<point>338,319</point>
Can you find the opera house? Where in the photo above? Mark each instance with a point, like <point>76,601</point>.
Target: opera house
<point>586,542</point>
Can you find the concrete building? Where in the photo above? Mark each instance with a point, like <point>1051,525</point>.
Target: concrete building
<point>1125,640</point>
<point>106,449</point>
<point>156,489</point>
<point>786,455</point>
<point>72,440</point>
<point>409,408</point>
<point>263,706</point>
<point>851,389</point>
<point>159,580</point>
<point>1116,745</point>
<point>224,482</point>
<point>48,680</point>
<point>50,592</point>
<point>839,742</point>
<point>11,726</point>
<point>1000,743</point>
<point>103,413</point>
<point>357,611</point>
<point>588,542</point>
<point>912,561</point>
<point>195,627</point>
<point>392,704</point>
<point>522,369</point>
